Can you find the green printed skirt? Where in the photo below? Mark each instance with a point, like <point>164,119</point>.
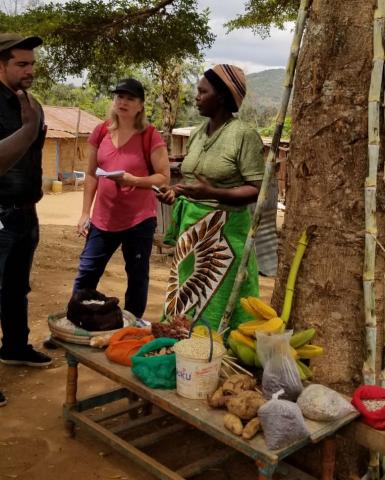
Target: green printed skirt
<point>208,249</point>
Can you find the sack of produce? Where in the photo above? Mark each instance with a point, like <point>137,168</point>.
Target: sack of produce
<point>93,311</point>
<point>369,400</point>
<point>282,423</point>
<point>323,404</point>
<point>279,368</point>
<point>155,363</point>
<point>127,342</point>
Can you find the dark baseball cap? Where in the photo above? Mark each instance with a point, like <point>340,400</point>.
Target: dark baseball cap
<point>131,86</point>
<point>13,40</point>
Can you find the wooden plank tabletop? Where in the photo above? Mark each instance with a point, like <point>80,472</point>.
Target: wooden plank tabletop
<point>197,412</point>
<point>366,436</point>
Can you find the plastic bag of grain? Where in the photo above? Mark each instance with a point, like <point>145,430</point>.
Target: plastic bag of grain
<point>279,368</point>
<point>323,404</point>
<point>282,422</point>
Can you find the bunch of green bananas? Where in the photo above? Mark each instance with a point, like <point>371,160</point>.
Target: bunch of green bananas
<point>244,348</point>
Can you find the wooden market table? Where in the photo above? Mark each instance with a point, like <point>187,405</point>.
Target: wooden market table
<point>146,405</point>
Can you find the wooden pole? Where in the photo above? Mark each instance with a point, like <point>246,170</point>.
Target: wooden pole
<point>382,377</point>
<point>270,162</point>
<point>71,391</point>
<point>328,460</point>
<point>374,129</point>
<point>76,140</point>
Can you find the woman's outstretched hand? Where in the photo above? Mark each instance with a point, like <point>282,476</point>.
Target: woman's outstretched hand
<point>166,195</point>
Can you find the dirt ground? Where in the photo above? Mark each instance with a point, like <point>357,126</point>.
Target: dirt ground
<point>33,442</point>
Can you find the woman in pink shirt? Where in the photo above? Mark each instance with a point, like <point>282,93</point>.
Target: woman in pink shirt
<point>124,211</point>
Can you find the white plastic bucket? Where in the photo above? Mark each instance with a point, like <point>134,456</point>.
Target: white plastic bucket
<point>196,378</point>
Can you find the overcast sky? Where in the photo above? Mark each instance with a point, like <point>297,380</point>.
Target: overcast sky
<point>241,47</point>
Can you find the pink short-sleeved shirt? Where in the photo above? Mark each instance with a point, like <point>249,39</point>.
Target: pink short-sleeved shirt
<point>119,208</point>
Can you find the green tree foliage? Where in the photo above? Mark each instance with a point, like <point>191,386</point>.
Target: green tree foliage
<point>104,38</point>
<point>65,95</point>
<point>263,117</point>
<point>97,101</point>
<point>263,98</point>
<point>260,15</point>
<point>269,131</point>
<point>188,114</point>
<point>174,79</point>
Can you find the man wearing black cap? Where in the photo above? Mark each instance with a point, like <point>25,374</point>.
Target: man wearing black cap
<point>20,190</point>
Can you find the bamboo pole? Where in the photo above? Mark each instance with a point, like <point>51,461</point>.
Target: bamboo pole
<point>375,97</point>
<point>270,162</point>
<point>374,129</point>
<point>379,48</point>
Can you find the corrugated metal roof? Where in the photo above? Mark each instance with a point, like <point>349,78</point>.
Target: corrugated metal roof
<point>268,140</point>
<point>58,134</point>
<point>186,132</point>
<point>183,131</point>
<point>64,120</point>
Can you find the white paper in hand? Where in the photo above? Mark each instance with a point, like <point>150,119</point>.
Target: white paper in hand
<point>103,173</point>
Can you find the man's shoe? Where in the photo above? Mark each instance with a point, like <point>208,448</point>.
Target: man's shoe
<point>3,400</point>
<point>30,357</point>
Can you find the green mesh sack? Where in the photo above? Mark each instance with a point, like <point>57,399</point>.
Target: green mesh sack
<point>158,371</point>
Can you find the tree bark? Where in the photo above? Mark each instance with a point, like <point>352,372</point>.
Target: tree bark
<point>327,168</point>
<point>170,78</point>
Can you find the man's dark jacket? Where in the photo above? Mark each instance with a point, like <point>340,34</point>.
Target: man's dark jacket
<point>22,184</point>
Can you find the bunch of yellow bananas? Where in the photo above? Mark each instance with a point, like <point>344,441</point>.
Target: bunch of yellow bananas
<point>266,318</point>
<point>243,344</point>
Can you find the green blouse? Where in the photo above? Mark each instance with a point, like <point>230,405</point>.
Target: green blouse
<point>232,156</point>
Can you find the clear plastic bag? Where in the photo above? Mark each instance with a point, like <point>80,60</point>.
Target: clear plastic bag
<point>282,423</point>
<point>323,404</point>
<point>279,368</point>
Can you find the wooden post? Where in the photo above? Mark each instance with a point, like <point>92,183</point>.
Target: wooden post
<point>265,470</point>
<point>71,390</point>
<point>76,139</point>
<point>374,466</point>
<point>328,458</point>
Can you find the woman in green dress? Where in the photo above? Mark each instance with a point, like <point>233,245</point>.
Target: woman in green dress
<point>222,173</point>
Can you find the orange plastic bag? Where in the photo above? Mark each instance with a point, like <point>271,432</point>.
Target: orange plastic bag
<point>126,342</point>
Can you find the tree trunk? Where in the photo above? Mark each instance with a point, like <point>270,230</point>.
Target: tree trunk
<point>170,77</point>
<point>327,168</point>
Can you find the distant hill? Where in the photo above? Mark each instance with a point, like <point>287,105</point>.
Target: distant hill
<point>267,86</point>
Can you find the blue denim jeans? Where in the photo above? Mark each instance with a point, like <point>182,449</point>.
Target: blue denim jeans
<point>19,236</point>
<point>136,243</point>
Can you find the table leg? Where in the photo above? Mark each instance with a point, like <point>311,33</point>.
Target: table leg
<point>265,470</point>
<point>145,410</point>
<point>71,389</point>
<point>328,458</point>
<point>132,398</point>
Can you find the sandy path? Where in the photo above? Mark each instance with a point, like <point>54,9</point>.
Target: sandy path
<point>60,208</point>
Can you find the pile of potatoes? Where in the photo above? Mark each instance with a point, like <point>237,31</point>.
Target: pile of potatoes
<point>239,395</point>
